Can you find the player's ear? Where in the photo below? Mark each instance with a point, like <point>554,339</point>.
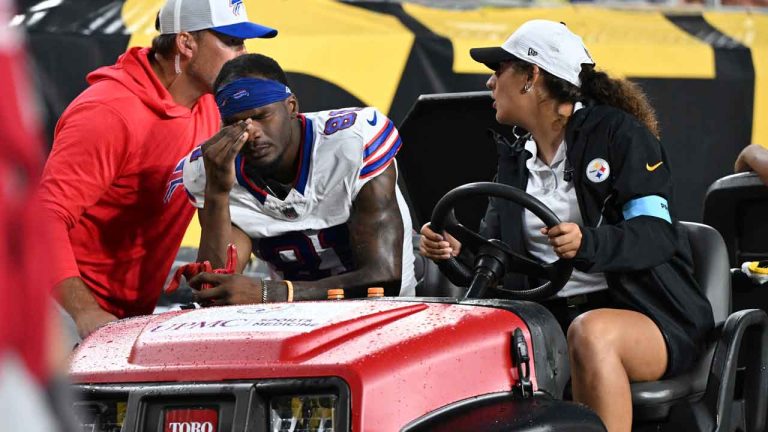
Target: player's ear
<point>292,104</point>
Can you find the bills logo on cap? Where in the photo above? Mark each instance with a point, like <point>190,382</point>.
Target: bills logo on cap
<point>236,5</point>
<point>598,170</point>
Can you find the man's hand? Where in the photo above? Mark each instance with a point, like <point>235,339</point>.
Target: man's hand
<point>89,320</point>
<point>219,154</point>
<point>753,158</point>
<point>565,238</point>
<point>437,247</point>
<point>742,160</point>
<point>80,304</point>
<point>228,289</point>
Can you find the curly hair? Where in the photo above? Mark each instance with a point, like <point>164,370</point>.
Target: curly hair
<point>598,86</point>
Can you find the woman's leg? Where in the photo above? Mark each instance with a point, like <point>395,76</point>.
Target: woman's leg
<point>608,348</point>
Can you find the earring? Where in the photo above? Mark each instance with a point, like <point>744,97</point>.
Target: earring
<point>177,64</point>
<point>528,87</point>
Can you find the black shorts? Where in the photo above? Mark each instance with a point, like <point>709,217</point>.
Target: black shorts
<point>681,349</point>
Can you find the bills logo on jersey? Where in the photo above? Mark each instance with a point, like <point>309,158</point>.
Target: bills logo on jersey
<point>237,6</point>
<point>175,181</point>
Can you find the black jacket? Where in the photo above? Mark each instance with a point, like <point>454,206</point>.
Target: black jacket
<point>646,260</point>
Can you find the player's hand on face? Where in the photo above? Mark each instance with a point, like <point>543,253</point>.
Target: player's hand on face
<point>436,246</point>
<point>219,154</point>
<point>565,239</point>
<point>228,289</point>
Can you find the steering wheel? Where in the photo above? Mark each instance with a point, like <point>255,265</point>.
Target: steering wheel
<point>493,257</point>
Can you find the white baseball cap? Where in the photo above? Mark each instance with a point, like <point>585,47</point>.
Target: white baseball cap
<point>223,16</point>
<point>547,44</point>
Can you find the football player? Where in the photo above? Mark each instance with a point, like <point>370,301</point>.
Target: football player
<point>314,195</point>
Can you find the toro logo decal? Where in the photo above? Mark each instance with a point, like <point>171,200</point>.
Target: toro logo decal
<point>191,420</point>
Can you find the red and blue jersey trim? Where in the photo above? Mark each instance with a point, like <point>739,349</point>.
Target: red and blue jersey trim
<point>259,193</point>
<point>302,174</point>
<point>174,181</point>
<point>379,139</point>
<point>380,150</point>
<point>196,154</point>
<point>305,154</point>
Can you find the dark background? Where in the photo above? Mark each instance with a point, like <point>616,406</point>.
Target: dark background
<point>704,123</point>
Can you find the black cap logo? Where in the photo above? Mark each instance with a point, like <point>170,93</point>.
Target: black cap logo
<point>532,52</point>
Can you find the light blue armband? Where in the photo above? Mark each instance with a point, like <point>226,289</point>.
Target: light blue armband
<point>651,205</point>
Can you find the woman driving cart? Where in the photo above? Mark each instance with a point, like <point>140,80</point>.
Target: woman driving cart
<point>632,308</point>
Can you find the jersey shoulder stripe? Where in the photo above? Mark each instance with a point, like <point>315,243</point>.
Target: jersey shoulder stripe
<point>377,165</point>
<point>379,139</point>
<point>175,180</point>
<point>196,154</point>
<point>193,175</point>
<point>383,149</point>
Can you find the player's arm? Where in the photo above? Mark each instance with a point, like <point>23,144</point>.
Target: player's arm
<point>376,237</point>
<point>215,229</point>
<point>216,226</point>
<point>77,300</point>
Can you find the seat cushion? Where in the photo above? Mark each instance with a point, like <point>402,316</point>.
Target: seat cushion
<point>652,400</point>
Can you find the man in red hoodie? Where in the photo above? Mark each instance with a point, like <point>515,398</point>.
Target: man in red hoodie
<point>112,185</point>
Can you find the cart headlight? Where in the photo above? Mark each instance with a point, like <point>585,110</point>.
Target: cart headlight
<point>310,413</point>
<point>100,416</point>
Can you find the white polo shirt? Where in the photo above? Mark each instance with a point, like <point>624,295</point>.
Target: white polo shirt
<point>547,183</point>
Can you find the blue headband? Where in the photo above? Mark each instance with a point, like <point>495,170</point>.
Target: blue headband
<point>245,94</point>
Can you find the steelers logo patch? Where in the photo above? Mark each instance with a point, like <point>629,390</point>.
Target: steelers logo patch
<point>598,170</point>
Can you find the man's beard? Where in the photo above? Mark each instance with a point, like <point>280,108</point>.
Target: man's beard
<point>260,171</point>
<point>204,84</point>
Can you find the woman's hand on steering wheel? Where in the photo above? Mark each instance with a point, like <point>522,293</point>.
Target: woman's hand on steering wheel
<point>494,258</point>
<point>565,239</point>
<point>437,247</point>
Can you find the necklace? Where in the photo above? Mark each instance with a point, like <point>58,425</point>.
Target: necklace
<point>273,187</point>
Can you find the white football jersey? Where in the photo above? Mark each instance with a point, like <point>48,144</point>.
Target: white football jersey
<point>305,235</point>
